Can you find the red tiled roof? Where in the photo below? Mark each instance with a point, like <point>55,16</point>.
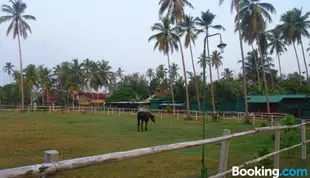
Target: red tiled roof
<point>94,95</point>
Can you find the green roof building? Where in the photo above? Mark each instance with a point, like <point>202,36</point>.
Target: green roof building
<point>296,104</point>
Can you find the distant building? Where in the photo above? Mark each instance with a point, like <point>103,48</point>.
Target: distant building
<point>296,104</point>
<point>90,98</point>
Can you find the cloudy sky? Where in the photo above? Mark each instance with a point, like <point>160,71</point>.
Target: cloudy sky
<point>118,31</point>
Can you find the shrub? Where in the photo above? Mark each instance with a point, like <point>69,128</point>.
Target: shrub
<point>169,108</point>
<point>266,162</point>
<point>263,124</point>
<point>247,121</point>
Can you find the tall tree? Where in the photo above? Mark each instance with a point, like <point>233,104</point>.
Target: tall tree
<point>175,10</point>
<point>44,82</point>
<point>189,28</point>
<point>8,68</point>
<point>216,59</point>
<point>302,24</point>
<point>289,31</point>
<point>166,42</point>
<point>175,71</point>
<point>19,27</point>
<point>150,74</point>
<point>277,45</point>
<point>236,4</point>
<point>206,22</point>
<point>119,73</point>
<point>161,72</point>
<point>253,15</point>
<point>227,74</point>
<point>31,80</point>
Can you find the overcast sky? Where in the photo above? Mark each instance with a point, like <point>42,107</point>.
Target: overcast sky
<point>118,31</point>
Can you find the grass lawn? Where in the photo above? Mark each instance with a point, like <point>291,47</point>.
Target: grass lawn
<point>24,137</point>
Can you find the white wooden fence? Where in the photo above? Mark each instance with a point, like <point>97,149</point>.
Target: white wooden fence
<point>52,166</point>
<point>158,112</point>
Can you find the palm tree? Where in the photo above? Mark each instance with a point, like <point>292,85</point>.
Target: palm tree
<point>20,27</point>
<point>44,81</point>
<point>254,15</point>
<point>8,68</point>
<point>174,71</point>
<point>227,74</point>
<point>86,69</point>
<point>202,59</point>
<point>251,67</point>
<point>276,44</point>
<point>175,10</point>
<point>236,4</point>
<point>150,74</point>
<point>31,79</point>
<point>105,75</point>
<point>206,23</point>
<point>161,73</point>
<point>290,32</point>
<point>190,30</point>
<point>302,24</point>
<point>166,42</point>
<point>216,60</point>
<point>119,73</point>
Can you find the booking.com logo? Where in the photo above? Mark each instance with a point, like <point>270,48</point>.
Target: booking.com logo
<point>275,173</point>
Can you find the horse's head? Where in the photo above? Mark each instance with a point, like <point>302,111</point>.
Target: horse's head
<point>152,117</point>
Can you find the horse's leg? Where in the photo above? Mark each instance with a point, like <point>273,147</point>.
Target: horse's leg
<point>138,125</point>
<point>145,125</point>
<point>142,125</point>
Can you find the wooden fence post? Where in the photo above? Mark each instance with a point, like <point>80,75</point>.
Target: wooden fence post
<point>119,111</point>
<point>276,158</point>
<point>112,110</point>
<point>177,114</point>
<point>238,117</point>
<point>224,153</point>
<point>254,119</point>
<point>108,111</point>
<point>196,115</point>
<point>49,157</point>
<point>161,114</point>
<point>303,139</point>
<point>130,112</point>
<point>271,120</point>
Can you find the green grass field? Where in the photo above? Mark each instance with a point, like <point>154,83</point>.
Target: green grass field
<point>24,137</point>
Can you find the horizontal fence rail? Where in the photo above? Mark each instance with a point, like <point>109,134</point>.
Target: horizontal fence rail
<point>66,165</point>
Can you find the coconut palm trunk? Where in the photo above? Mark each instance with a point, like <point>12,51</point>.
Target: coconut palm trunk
<point>246,108</point>
<point>210,70</point>
<point>280,68</point>
<point>21,72</point>
<point>196,82</point>
<point>256,66</point>
<point>305,62</point>
<point>264,79</point>
<point>271,76</point>
<point>171,83</point>
<point>185,81</point>
<point>300,76</point>
<point>218,73</point>
<point>184,72</point>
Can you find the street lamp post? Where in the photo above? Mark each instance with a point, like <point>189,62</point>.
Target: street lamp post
<point>221,46</point>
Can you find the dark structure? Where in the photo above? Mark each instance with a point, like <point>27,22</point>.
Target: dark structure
<point>127,104</point>
<point>295,104</point>
<point>144,116</point>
